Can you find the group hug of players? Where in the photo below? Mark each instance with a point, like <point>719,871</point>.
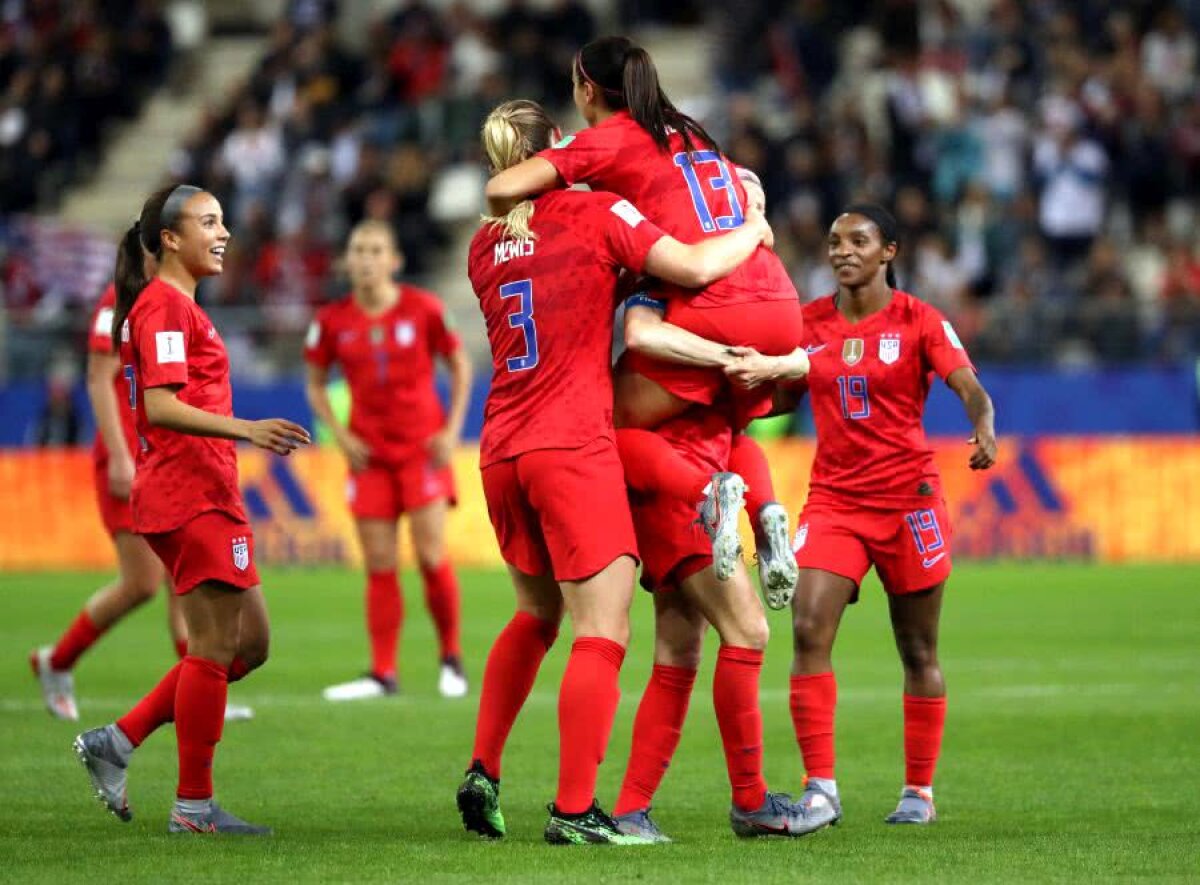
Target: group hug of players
<point>588,471</point>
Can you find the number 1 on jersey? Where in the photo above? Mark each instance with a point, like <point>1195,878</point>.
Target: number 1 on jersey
<point>132,382</point>
<point>522,318</point>
<point>687,163</point>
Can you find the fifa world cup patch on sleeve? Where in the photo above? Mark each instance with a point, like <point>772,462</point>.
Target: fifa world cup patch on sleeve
<point>564,141</point>
<point>169,346</point>
<point>313,337</point>
<point>104,318</point>
<point>628,213</point>
<point>951,335</point>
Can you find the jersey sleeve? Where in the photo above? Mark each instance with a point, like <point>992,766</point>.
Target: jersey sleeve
<point>941,348</point>
<point>161,340</point>
<point>444,339</point>
<point>627,235</point>
<point>100,332</point>
<point>581,157</point>
<point>318,342</point>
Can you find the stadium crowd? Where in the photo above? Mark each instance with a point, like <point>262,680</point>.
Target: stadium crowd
<point>1043,157</point>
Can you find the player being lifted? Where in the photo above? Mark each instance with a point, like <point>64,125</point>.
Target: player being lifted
<point>545,275</point>
<point>387,338</point>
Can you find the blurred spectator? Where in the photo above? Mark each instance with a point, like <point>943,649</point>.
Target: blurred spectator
<point>1073,172</point>
<point>59,423</point>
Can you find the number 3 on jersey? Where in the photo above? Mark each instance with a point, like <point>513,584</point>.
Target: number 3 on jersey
<point>522,318</point>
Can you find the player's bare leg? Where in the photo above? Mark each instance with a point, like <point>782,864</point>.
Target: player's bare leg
<point>141,574</point>
<point>378,539</point>
<point>737,614</point>
<point>427,527</point>
<point>817,608</point>
<point>915,618</point>
<point>512,666</point>
<point>679,629</point>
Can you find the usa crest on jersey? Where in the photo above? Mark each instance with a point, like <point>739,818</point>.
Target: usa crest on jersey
<point>889,348</point>
<point>241,553</point>
<point>406,334</point>
<point>852,351</point>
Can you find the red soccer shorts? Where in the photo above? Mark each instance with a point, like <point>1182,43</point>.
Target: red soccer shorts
<point>910,547</point>
<point>564,510</point>
<point>674,546</point>
<point>770,327</point>
<point>384,491</point>
<point>213,546</point>
<point>115,512</point>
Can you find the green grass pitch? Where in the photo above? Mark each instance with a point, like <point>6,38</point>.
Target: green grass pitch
<point>1071,749</point>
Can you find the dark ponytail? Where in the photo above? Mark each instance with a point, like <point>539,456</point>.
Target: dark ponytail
<point>889,230</point>
<point>160,211</point>
<point>626,75</point>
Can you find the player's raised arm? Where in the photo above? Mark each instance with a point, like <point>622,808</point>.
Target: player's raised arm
<point>980,412</point>
<point>520,182</point>
<point>698,264</point>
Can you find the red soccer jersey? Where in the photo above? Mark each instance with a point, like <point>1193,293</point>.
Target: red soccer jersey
<point>689,201</point>
<point>389,364</point>
<point>868,383</point>
<point>548,303</point>
<point>167,340</point>
<point>100,341</point>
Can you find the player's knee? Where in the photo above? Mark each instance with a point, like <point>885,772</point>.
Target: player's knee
<point>430,558</point>
<point>918,654</point>
<point>139,589</point>
<point>755,633</point>
<point>810,635</point>
<point>255,654</point>
<point>682,652</point>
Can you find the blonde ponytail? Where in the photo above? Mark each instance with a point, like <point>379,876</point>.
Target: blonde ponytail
<point>515,131</point>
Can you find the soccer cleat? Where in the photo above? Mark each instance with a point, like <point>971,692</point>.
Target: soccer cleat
<point>916,807</point>
<point>639,823</point>
<point>107,767</point>
<point>215,820</point>
<point>452,683</point>
<point>363,688</point>
<point>813,799</point>
<point>779,816</point>
<point>238,712</point>
<point>724,498</point>
<point>479,803</point>
<point>777,569</point>
<point>592,827</point>
<point>58,686</point>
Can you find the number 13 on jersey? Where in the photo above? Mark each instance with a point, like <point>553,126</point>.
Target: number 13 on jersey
<point>522,318</point>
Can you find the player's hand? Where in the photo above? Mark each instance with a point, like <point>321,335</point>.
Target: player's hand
<point>357,452</point>
<point>750,369</point>
<point>984,455</point>
<point>278,435</point>
<point>120,476</point>
<point>441,447</point>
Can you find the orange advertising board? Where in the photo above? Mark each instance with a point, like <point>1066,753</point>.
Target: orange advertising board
<point>1107,499</point>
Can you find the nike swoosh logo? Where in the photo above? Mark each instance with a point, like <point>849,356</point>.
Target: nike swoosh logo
<point>931,561</point>
<point>814,348</point>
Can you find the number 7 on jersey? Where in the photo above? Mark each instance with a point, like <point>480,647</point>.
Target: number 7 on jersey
<point>522,318</point>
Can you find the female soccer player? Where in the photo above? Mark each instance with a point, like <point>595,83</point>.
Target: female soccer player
<point>140,572</point>
<point>875,497</point>
<point>386,338</point>
<point>545,275</point>
<point>185,501</point>
<point>641,147</point>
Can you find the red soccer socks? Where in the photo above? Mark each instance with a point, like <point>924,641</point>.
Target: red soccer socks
<point>735,700</point>
<point>78,639</point>
<point>924,721</point>
<point>442,599</point>
<point>199,720</point>
<point>813,701</point>
<point>512,666</point>
<point>587,704</point>
<point>155,709</point>
<point>385,613</point>
<point>656,731</point>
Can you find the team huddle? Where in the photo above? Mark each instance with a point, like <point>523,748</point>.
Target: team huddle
<point>588,470</point>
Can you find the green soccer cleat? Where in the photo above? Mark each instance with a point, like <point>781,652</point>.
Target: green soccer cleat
<point>479,803</point>
<point>592,827</point>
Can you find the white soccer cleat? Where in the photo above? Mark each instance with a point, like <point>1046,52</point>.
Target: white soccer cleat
<point>778,572</point>
<point>58,686</point>
<point>100,752</point>
<point>238,712</point>
<point>361,689</point>
<point>724,498</point>
<point>452,683</point>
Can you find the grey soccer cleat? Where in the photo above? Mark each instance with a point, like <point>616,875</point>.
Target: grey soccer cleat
<point>916,807</point>
<point>58,686</point>
<point>107,766</point>
<point>215,820</point>
<point>639,823</point>
<point>778,816</point>
<point>777,569</point>
<point>592,827</point>
<point>814,799</point>
<point>479,803</point>
<point>724,498</point>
